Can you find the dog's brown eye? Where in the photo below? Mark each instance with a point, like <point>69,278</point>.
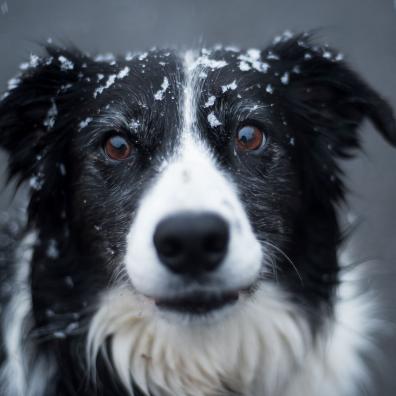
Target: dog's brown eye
<point>250,138</point>
<point>117,148</point>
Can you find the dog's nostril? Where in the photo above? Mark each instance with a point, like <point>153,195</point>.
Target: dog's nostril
<point>170,247</point>
<point>192,243</point>
<point>215,243</point>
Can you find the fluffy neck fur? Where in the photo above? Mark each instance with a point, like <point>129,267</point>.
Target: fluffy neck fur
<point>263,349</point>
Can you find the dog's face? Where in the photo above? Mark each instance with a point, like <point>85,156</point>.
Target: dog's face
<point>194,172</point>
<point>178,154</point>
<point>186,182</point>
<point>186,174</point>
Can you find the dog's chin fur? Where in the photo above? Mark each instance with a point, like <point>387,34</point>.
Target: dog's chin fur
<point>262,346</point>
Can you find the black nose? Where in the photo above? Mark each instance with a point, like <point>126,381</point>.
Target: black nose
<point>192,243</point>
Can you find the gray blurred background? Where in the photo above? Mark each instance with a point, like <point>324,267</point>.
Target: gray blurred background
<point>365,30</point>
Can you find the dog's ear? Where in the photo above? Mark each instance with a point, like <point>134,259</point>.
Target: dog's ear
<point>326,102</point>
<point>327,97</point>
<point>29,109</point>
<point>31,129</point>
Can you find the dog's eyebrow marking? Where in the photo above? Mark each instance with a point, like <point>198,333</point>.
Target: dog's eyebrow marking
<point>190,62</point>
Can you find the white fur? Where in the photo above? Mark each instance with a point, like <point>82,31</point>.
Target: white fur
<point>23,373</point>
<point>337,363</point>
<point>13,372</point>
<point>245,350</point>
<point>264,348</point>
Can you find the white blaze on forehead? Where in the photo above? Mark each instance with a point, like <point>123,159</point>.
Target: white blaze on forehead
<point>189,100</point>
<point>195,67</point>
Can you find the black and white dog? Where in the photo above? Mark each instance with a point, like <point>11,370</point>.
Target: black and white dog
<point>182,236</point>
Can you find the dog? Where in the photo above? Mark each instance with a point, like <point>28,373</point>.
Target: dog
<point>181,236</point>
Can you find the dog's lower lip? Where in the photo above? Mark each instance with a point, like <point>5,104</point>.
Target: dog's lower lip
<point>198,303</point>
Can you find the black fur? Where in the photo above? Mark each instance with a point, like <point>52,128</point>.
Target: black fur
<point>82,204</point>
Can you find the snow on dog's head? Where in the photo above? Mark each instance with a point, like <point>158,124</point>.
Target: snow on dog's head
<point>185,207</point>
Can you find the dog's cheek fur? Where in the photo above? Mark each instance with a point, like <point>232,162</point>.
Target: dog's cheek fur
<point>37,120</point>
<point>323,103</point>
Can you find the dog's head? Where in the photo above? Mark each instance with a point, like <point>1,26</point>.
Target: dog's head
<point>186,182</point>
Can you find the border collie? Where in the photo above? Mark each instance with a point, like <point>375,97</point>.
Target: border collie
<point>181,235</point>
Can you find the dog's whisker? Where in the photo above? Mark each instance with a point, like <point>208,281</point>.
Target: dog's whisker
<point>289,260</point>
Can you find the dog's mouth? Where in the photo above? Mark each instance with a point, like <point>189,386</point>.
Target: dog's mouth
<point>198,303</point>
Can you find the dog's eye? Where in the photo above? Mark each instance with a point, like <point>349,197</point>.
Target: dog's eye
<point>250,138</point>
<point>117,148</point>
